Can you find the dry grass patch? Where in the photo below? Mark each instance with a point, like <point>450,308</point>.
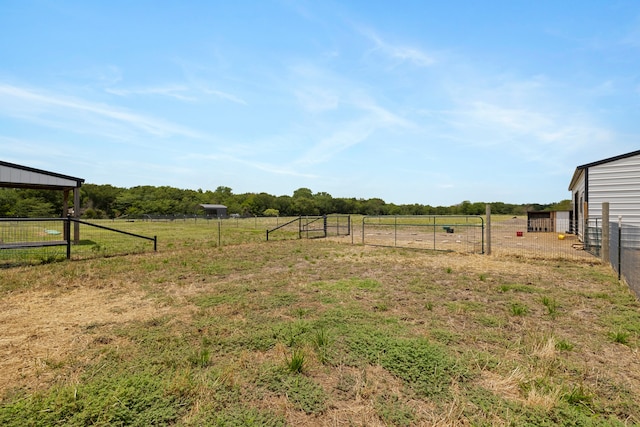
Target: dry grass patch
<point>388,337</point>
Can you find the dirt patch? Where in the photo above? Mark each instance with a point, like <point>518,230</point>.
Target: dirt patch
<point>40,329</point>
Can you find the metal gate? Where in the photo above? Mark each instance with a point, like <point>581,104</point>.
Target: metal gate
<point>455,233</point>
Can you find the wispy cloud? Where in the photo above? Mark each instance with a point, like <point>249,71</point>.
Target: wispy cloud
<point>342,136</point>
<point>179,92</point>
<point>262,166</point>
<point>548,138</point>
<point>223,95</point>
<point>173,91</point>
<point>399,52</point>
<point>42,107</point>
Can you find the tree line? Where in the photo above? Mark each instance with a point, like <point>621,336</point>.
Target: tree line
<point>107,201</point>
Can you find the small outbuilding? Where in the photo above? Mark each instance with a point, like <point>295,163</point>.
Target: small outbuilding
<point>615,180</point>
<point>549,221</point>
<point>214,211</point>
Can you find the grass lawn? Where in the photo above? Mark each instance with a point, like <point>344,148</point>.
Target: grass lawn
<point>314,332</point>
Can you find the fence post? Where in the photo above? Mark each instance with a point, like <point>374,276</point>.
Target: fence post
<point>324,225</point>
<point>434,233</point>
<point>395,231</point>
<point>67,233</point>
<point>605,241</point>
<point>619,247</point>
<point>488,230</point>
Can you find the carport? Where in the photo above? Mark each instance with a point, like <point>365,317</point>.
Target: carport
<point>18,176</point>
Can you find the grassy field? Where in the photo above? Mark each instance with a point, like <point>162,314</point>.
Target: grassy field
<point>315,332</point>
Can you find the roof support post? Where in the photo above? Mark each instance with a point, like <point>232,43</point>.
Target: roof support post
<point>76,215</point>
<point>65,210</point>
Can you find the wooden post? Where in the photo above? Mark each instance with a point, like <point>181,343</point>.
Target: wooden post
<point>605,241</point>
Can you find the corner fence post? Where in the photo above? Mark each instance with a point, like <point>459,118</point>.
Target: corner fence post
<point>67,233</point>
<point>155,243</point>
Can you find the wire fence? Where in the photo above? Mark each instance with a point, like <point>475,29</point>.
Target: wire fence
<point>311,227</point>
<point>43,240</point>
<point>429,232</point>
<point>623,249</point>
<point>503,235</point>
<point>516,236</point>
<point>36,241</point>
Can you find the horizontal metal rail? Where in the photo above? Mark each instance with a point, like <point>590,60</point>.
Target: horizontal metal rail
<point>282,225</point>
<point>154,239</point>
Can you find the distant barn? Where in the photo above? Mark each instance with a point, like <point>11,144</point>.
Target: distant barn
<point>215,211</point>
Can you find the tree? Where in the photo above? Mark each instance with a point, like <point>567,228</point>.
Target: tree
<point>271,212</point>
<point>304,206</point>
<point>324,203</point>
<point>8,199</point>
<point>303,192</point>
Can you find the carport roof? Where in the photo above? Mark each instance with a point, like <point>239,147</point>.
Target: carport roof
<point>207,206</point>
<point>18,176</point>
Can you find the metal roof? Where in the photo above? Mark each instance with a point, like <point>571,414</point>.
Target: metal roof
<point>580,168</point>
<point>18,176</point>
<point>206,206</point>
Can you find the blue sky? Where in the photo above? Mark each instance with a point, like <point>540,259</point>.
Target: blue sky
<point>411,101</point>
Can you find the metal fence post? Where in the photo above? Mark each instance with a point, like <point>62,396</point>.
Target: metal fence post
<point>395,230</point>
<point>619,247</point>
<point>324,224</point>
<point>434,233</point>
<point>488,231</point>
<point>67,232</point>
<point>605,241</point>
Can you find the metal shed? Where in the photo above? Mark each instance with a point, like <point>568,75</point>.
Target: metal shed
<point>214,211</point>
<point>615,180</point>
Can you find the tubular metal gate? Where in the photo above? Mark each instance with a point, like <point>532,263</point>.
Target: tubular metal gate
<point>454,233</point>
<point>312,227</point>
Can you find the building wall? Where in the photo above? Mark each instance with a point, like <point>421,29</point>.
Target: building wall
<point>578,214</point>
<point>616,182</point>
<point>563,223</point>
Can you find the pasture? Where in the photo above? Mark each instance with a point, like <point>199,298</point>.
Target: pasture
<point>209,331</point>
